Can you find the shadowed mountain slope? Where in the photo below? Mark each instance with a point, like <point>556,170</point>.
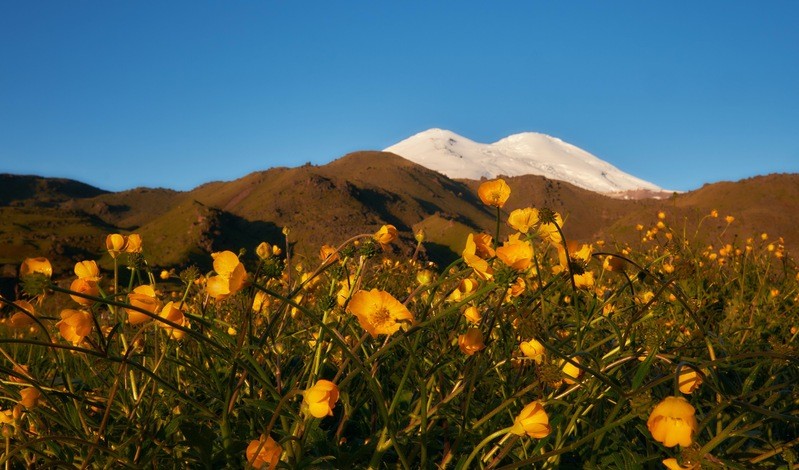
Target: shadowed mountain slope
<point>68,221</point>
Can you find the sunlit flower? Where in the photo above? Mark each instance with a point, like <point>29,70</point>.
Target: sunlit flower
<point>549,231</point>
<point>133,243</point>
<point>260,301</point>
<point>22,319</point>
<point>471,341</point>
<point>328,254</point>
<point>75,325</point>
<point>533,349</point>
<point>87,270</point>
<point>86,287</point>
<point>264,250</point>
<point>321,398</point>
<point>714,213</point>
<point>231,275</point>
<point>424,277</point>
<point>263,453</point>
<point>673,422</point>
<point>672,464</point>
<point>689,380</point>
<point>494,192</point>
<point>517,288</point>
<point>172,313</point>
<point>164,274</point>
<point>729,219</point>
<point>378,312</point>
<point>478,264</point>
<point>571,373</point>
<point>523,219</point>
<point>472,315</point>
<point>515,253</point>
<point>115,244</point>
<point>483,245</point>
<point>144,298</point>
<point>36,265</point>
<point>533,421</point>
<point>29,397</point>
<point>584,280</point>
<point>386,235</point>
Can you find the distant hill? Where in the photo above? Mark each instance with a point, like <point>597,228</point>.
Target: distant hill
<point>67,220</point>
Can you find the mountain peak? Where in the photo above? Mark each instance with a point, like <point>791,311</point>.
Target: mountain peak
<point>518,154</point>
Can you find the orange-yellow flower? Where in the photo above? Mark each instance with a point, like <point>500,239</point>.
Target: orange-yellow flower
<point>515,253</point>
<point>84,286</point>
<point>465,287</point>
<point>36,265</point>
<point>523,219</point>
<point>142,297</point>
<point>533,421</point>
<point>321,398</point>
<point>689,380</point>
<point>471,341</point>
<point>672,464</point>
<point>571,373</point>
<point>75,325</point>
<point>472,314</point>
<point>133,243</point>
<point>115,243</point>
<point>533,349</point>
<point>263,453</point>
<point>328,254</point>
<point>231,275</point>
<point>549,231</point>
<point>478,264</point>
<point>378,312</point>
<point>673,422</point>
<point>87,270</point>
<point>483,245</point>
<point>494,193</point>
<point>386,235</point>
<point>23,316</point>
<point>172,313</point>
<point>29,397</point>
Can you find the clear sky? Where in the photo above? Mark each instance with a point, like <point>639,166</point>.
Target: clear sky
<point>120,94</point>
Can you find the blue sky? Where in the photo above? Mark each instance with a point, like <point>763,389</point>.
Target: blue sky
<point>174,94</point>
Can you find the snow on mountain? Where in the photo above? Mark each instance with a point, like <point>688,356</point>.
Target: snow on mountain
<point>519,154</point>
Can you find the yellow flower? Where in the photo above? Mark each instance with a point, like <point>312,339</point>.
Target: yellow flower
<point>533,349</point>
<point>115,243</point>
<point>515,253</point>
<point>378,312</point>
<point>172,313</point>
<point>729,219</point>
<point>672,464</point>
<point>570,371</point>
<point>231,275</point>
<point>471,341</point>
<point>483,245</point>
<point>689,380</point>
<point>144,298</point>
<point>29,397</point>
<point>714,213</point>
<point>549,231</point>
<point>584,280</point>
<point>494,193</point>
<point>386,235</point>
<point>523,219</point>
<point>328,254</point>
<point>478,264</point>
<point>84,286</point>
<point>164,274</point>
<point>472,314</point>
<point>87,270</point>
<point>263,453</point>
<point>22,319</point>
<point>673,422</point>
<point>533,421</point>
<point>321,398</point>
<point>133,243</point>
<point>75,325</point>
<point>36,265</point>
<point>264,250</point>
<point>260,301</point>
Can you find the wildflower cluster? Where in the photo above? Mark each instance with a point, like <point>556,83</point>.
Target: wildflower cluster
<point>532,349</point>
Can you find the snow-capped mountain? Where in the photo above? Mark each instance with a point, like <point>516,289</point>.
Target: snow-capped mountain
<point>519,154</point>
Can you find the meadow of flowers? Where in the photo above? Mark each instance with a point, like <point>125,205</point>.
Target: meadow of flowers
<point>530,351</point>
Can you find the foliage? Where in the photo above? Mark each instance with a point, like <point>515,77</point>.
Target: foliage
<point>531,350</point>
